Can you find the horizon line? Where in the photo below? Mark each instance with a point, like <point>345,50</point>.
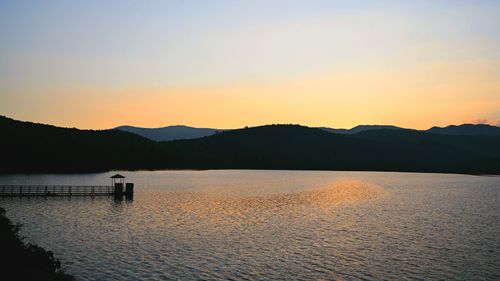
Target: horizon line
<point>244,127</point>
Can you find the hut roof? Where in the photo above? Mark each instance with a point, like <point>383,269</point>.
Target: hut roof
<point>118,176</point>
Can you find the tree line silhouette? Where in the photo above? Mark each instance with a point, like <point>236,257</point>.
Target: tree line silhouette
<point>30,147</point>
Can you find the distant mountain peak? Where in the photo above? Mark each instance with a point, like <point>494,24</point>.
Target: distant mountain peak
<point>361,128</point>
<point>168,133</point>
<point>376,127</point>
<point>467,130</point>
<point>157,128</point>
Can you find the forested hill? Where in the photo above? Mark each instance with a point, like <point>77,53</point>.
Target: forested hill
<point>298,147</point>
<point>29,147</point>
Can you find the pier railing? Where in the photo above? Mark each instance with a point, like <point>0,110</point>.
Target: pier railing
<point>56,190</point>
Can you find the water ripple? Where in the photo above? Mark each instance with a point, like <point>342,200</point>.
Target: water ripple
<point>272,225</point>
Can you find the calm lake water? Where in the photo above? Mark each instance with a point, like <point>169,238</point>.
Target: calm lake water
<point>267,225</point>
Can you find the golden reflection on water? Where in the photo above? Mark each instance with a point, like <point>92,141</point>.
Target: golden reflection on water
<point>230,206</point>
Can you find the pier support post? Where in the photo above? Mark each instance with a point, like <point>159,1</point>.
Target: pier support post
<point>129,191</point>
<point>118,190</point>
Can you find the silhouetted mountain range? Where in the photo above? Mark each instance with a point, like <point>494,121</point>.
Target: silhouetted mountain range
<point>181,132</point>
<point>467,130</point>
<point>185,132</point>
<point>360,128</point>
<point>169,133</point>
<point>30,147</point>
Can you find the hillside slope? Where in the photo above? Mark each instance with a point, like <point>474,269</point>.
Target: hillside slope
<point>31,147</point>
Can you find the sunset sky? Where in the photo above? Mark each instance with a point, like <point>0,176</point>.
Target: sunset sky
<point>228,64</point>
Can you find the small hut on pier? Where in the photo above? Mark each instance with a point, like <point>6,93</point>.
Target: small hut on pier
<point>118,182</point>
<point>117,179</point>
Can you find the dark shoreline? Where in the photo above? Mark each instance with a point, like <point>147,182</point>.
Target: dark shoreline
<point>24,261</point>
<point>249,169</point>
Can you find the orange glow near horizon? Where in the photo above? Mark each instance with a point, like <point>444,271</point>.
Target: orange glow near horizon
<point>418,97</point>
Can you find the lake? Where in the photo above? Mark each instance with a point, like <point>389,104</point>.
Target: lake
<point>268,225</point>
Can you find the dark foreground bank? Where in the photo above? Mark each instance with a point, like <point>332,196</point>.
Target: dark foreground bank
<point>21,261</point>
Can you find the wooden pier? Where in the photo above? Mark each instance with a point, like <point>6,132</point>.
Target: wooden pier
<point>117,189</point>
<point>65,190</point>
<point>55,190</point>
